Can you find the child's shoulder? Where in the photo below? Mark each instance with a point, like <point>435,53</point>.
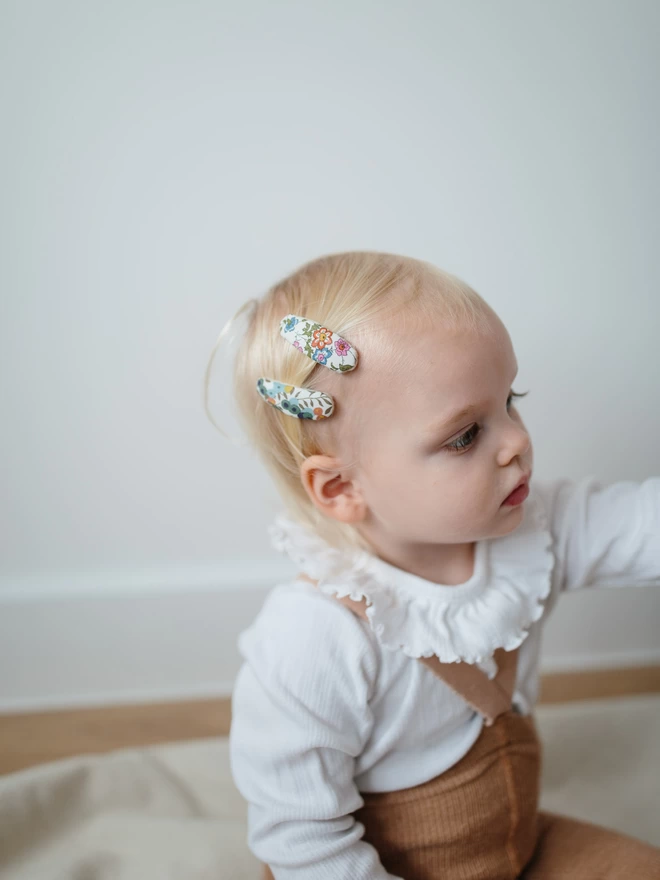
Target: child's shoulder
<point>298,626</point>
<point>295,600</point>
<point>309,671</point>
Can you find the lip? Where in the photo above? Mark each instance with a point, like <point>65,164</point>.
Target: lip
<point>515,496</point>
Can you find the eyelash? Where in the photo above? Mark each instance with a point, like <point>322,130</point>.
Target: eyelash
<point>459,445</point>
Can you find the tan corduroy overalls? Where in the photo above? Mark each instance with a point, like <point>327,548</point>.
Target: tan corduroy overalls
<point>479,820</point>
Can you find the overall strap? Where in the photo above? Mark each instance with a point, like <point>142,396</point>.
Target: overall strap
<point>490,698</point>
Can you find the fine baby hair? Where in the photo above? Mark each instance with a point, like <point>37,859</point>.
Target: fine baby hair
<point>290,331</point>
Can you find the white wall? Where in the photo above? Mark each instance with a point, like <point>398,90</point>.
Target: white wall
<point>161,162</point>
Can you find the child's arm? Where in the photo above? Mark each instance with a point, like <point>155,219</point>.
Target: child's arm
<point>300,716</point>
<point>606,535</point>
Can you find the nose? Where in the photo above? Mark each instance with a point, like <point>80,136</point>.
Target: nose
<point>517,442</point>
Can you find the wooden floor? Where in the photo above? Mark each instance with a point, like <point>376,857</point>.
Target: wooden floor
<point>28,739</point>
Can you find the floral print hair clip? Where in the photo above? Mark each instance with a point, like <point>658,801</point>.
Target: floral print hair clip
<point>321,345</point>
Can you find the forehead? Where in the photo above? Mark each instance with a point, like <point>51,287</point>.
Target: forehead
<point>424,372</point>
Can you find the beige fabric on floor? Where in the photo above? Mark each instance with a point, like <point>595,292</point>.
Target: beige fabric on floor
<point>171,812</point>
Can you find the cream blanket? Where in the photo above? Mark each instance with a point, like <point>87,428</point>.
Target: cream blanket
<point>171,812</point>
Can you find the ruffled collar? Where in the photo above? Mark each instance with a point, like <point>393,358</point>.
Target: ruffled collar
<point>465,622</point>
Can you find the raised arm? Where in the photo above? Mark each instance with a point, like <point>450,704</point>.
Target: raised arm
<point>300,716</point>
<point>606,535</point>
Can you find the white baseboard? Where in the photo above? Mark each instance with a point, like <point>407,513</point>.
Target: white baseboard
<point>83,643</point>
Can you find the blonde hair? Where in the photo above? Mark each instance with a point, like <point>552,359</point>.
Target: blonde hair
<point>343,292</point>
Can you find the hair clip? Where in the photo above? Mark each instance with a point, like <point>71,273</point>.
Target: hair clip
<point>319,343</point>
<point>303,403</point>
<point>322,346</point>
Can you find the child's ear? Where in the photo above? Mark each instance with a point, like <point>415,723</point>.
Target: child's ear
<point>331,489</point>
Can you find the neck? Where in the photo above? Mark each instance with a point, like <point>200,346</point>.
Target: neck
<point>446,564</point>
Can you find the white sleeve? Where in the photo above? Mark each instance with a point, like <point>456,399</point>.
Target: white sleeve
<point>606,535</point>
<point>300,716</point>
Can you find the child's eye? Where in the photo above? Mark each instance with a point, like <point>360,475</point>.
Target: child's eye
<point>465,441</point>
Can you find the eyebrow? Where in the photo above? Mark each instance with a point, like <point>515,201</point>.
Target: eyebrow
<point>446,424</point>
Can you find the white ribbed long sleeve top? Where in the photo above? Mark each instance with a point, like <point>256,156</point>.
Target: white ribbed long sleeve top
<point>327,705</point>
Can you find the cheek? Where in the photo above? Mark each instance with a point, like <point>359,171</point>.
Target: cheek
<point>457,482</point>
<point>390,476</point>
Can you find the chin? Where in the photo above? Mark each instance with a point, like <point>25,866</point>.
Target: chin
<point>518,514</point>
<point>513,519</point>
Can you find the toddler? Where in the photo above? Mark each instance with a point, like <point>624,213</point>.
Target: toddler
<point>382,719</point>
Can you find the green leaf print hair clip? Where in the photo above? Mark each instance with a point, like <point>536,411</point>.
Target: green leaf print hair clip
<point>321,345</point>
